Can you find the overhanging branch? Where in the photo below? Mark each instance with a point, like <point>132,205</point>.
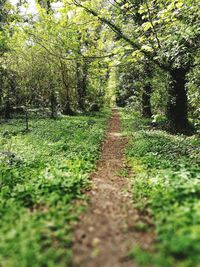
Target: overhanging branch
<point>114,27</point>
<point>121,35</point>
<point>39,41</point>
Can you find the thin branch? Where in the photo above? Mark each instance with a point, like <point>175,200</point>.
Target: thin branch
<point>153,28</point>
<point>121,35</point>
<point>39,42</point>
<point>114,27</point>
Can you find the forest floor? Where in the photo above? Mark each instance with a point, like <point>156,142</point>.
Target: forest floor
<point>136,196</point>
<point>43,173</point>
<point>106,232</point>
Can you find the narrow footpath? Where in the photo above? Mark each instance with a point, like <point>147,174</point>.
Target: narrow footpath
<point>105,233</point>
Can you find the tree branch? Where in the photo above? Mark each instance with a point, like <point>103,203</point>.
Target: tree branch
<point>114,27</point>
<point>153,28</point>
<point>49,50</point>
<point>121,35</point>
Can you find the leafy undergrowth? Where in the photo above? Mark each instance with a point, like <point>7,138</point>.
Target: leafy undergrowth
<point>41,173</point>
<point>166,184</point>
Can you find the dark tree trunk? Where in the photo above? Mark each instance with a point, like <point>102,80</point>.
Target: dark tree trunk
<point>67,109</point>
<point>53,106</point>
<point>26,119</point>
<point>8,110</point>
<point>177,110</point>
<point>146,101</point>
<point>81,73</point>
<point>66,106</point>
<point>147,90</point>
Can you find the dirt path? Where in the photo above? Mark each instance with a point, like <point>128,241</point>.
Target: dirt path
<point>105,233</point>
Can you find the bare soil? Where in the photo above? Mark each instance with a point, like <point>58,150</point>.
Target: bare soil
<point>106,232</point>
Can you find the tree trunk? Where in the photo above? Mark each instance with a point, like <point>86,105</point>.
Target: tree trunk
<point>177,110</point>
<point>26,119</point>
<point>53,106</point>
<point>66,106</point>
<point>146,101</point>
<point>81,73</point>
<point>8,110</point>
<point>67,109</point>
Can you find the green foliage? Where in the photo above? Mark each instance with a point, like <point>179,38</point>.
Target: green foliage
<point>70,59</point>
<point>42,172</point>
<point>194,94</point>
<point>56,61</point>
<point>64,57</point>
<point>166,184</point>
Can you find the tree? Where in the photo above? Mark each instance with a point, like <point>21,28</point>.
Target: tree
<point>173,53</point>
<point>56,63</point>
<point>3,18</point>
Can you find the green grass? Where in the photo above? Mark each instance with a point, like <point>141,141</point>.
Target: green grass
<point>166,184</point>
<point>42,172</point>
